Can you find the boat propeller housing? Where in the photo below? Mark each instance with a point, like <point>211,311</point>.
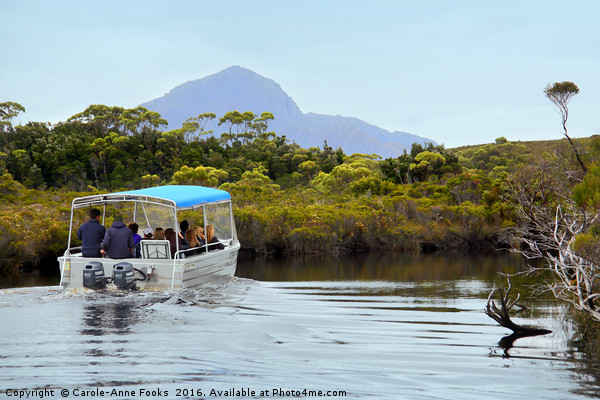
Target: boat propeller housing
<point>93,275</point>
<point>124,276</point>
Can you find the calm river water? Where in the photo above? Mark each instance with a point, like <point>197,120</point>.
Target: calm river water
<point>390,327</point>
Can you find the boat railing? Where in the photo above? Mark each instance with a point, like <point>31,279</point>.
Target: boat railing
<point>76,251</point>
<point>72,251</point>
<point>201,249</point>
<point>188,252</point>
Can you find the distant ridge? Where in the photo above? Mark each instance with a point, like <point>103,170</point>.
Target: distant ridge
<point>238,88</point>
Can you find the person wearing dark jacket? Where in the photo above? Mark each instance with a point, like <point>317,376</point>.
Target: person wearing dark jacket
<point>91,234</point>
<point>183,228</point>
<point>118,241</point>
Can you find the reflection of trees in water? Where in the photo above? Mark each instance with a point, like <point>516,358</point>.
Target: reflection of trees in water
<point>45,273</point>
<point>396,267</point>
<point>585,351</point>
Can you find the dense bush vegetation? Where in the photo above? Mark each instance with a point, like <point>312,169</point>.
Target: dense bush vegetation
<point>287,199</point>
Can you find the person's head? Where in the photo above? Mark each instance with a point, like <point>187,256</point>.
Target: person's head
<point>159,234</point>
<point>210,232</point>
<point>148,232</point>
<point>134,227</point>
<point>190,236</point>
<point>171,236</point>
<point>118,217</point>
<point>94,213</point>
<point>199,230</point>
<point>184,225</point>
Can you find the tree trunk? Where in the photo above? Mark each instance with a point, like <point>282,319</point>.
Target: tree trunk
<point>574,149</point>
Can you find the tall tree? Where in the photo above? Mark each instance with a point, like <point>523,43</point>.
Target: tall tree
<point>261,124</point>
<point>205,176</point>
<point>8,110</point>
<point>194,127</point>
<point>100,119</point>
<point>242,122</point>
<point>560,93</point>
<point>144,124</point>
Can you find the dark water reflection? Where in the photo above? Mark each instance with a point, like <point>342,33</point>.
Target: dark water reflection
<point>451,269</point>
<point>48,276</point>
<point>102,318</point>
<point>584,347</point>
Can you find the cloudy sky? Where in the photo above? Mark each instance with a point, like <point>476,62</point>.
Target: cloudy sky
<point>459,72</point>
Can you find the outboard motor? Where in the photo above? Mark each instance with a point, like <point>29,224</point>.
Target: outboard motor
<point>93,275</point>
<point>123,276</point>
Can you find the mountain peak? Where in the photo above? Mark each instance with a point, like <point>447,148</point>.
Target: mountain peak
<point>241,89</point>
<point>240,75</point>
<point>237,69</point>
<point>234,88</point>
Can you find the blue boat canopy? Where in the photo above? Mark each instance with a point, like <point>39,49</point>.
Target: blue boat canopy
<point>183,196</point>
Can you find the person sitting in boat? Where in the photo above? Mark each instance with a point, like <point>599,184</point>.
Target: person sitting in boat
<point>211,239</point>
<point>118,241</point>
<point>148,233</point>
<point>190,237</point>
<point>183,226</point>
<point>172,237</point>
<point>200,237</point>
<point>136,238</point>
<point>134,229</point>
<point>159,234</point>
<point>91,234</point>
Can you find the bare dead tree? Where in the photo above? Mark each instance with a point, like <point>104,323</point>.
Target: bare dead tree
<point>550,222</point>
<point>575,277</point>
<point>502,317</point>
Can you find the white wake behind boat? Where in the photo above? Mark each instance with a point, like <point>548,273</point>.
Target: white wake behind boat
<point>160,266</point>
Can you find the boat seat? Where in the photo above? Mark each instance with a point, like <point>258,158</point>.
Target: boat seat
<point>156,249</point>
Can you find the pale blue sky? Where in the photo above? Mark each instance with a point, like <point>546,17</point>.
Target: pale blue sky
<point>458,72</point>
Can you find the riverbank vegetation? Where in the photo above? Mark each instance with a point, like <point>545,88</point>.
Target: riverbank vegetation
<point>287,199</point>
<point>292,200</point>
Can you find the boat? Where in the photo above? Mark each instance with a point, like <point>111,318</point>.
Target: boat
<point>160,267</point>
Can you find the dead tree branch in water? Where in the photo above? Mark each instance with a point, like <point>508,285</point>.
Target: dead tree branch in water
<point>501,315</point>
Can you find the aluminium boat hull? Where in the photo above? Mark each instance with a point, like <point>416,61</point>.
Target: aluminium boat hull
<point>192,272</point>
